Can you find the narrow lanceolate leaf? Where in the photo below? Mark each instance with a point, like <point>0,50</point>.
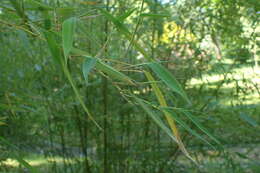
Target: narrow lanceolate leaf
<point>185,126</point>
<point>79,52</point>
<point>198,124</point>
<point>110,71</point>
<point>126,15</point>
<point>248,119</point>
<point>38,6</point>
<point>54,47</point>
<point>153,15</point>
<point>88,65</point>
<point>124,31</point>
<point>68,29</point>
<point>113,73</point>
<point>120,26</point>
<point>155,117</point>
<point>168,79</point>
<point>169,119</point>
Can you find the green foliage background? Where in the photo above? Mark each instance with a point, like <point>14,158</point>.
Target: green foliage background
<point>129,86</point>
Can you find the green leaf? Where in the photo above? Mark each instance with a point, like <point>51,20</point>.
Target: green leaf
<point>125,15</point>
<point>110,71</point>
<point>54,47</point>
<point>155,117</point>
<point>243,156</point>
<point>123,30</point>
<point>168,79</point>
<point>38,5</point>
<point>88,65</point>
<point>65,13</point>
<point>17,5</point>
<point>248,119</point>
<point>68,29</point>
<point>185,126</point>
<point>196,122</point>
<point>113,73</point>
<point>117,22</point>
<point>152,15</point>
<point>79,52</point>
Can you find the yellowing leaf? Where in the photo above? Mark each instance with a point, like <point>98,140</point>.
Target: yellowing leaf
<point>168,116</point>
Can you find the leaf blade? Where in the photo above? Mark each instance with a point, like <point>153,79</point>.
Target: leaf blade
<point>156,119</point>
<point>68,30</point>
<point>112,72</point>
<point>248,119</point>
<point>196,122</point>
<point>169,119</point>
<point>185,126</point>
<point>168,79</point>
<point>87,66</point>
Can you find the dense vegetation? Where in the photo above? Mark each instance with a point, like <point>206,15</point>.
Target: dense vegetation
<point>129,86</point>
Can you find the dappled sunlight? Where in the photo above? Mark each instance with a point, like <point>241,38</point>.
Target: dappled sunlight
<point>129,86</point>
<point>37,161</point>
<point>235,74</point>
<point>239,86</point>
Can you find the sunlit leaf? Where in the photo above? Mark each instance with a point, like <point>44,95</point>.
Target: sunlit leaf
<point>168,79</point>
<point>126,15</point>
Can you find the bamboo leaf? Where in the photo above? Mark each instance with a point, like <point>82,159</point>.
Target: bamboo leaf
<point>65,13</point>
<point>185,126</point>
<point>199,125</point>
<point>169,119</point>
<point>113,73</point>
<point>120,26</point>
<point>126,15</point>
<point>57,56</point>
<point>68,29</point>
<point>88,65</point>
<point>248,119</point>
<point>2,123</point>
<point>123,30</point>
<point>153,15</point>
<point>38,5</point>
<point>168,79</point>
<point>110,71</point>
<point>155,117</point>
<point>17,5</point>
<point>79,52</point>
<point>54,47</point>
